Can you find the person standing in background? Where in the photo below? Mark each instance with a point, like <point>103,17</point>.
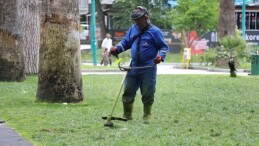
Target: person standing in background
<point>106,46</point>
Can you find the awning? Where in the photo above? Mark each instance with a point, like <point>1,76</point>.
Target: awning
<point>83,11</point>
<point>248,2</point>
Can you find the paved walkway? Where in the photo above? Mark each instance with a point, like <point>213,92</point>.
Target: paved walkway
<point>170,68</point>
<point>8,137</point>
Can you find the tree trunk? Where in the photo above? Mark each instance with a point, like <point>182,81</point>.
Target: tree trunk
<point>59,66</point>
<point>100,18</point>
<point>31,34</point>
<point>227,23</point>
<point>11,56</point>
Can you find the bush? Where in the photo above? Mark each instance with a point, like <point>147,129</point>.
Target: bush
<point>209,56</point>
<point>246,55</point>
<point>232,47</point>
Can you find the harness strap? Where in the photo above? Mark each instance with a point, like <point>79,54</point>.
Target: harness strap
<point>139,39</point>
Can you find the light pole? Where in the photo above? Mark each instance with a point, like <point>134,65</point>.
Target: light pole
<point>243,18</point>
<point>93,35</point>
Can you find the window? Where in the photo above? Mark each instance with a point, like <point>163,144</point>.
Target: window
<point>239,20</point>
<point>83,3</point>
<point>251,20</point>
<point>247,20</point>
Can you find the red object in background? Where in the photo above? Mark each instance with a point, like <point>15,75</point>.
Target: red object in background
<point>193,41</point>
<point>119,34</point>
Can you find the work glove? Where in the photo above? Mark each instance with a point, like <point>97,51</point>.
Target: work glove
<point>114,52</point>
<point>158,59</point>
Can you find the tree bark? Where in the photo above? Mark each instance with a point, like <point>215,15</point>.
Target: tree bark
<point>227,23</point>
<point>59,66</point>
<point>11,56</point>
<point>31,34</point>
<point>100,18</point>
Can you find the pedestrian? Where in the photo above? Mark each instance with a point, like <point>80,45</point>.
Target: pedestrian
<point>106,46</point>
<point>105,55</point>
<point>148,47</point>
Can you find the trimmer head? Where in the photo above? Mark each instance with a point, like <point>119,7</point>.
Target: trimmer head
<point>108,124</point>
<point>109,120</point>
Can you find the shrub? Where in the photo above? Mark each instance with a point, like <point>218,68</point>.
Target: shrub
<point>209,56</point>
<point>231,47</point>
<point>246,55</point>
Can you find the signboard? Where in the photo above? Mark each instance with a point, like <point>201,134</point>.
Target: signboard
<point>118,35</point>
<point>173,39</point>
<point>187,52</point>
<point>252,36</point>
<point>247,2</point>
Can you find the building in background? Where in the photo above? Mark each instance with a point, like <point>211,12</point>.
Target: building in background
<point>85,18</point>
<point>251,20</point>
<point>83,7</point>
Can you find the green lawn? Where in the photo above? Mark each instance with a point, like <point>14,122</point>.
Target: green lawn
<point>171,58</point>
<point>189,110</point>
<point>87,55</point>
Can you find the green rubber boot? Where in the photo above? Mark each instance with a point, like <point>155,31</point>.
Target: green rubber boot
<point>147,114</point>
<point>128,108</point>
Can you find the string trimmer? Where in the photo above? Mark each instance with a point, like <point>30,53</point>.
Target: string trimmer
<point>110,117</point>
<point>127,68</point>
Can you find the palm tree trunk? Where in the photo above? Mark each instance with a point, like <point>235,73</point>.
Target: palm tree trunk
<point>227,23</point>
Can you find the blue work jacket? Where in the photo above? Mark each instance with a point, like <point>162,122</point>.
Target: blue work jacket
<point>152,44</point>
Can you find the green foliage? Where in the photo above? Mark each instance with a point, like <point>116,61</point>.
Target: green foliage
<point>88,55</point>
<point>213,111</point>
<point>209,56</point>
<point>250,49</point>
<point>170,58</point>
<point>123,8</point>
<point>81,28</point>
<point>238,32</point>
<point>232,47</point>
<point>199,15</point>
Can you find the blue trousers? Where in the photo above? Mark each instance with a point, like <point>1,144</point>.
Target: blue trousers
<point>143,79</point>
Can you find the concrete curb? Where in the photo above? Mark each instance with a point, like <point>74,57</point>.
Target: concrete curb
<point>212,69</point>
<point>173,66</point>
<point>192,66</point>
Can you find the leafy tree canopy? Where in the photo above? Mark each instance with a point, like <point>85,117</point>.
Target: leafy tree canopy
<point>156,9</point>
<point>199,15</point>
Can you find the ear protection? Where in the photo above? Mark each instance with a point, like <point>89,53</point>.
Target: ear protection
<point>143,9</point>
<point>139,12</point>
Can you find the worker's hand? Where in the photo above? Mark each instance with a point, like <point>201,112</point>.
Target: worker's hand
<point>158,59</point>
<point>114,52</point>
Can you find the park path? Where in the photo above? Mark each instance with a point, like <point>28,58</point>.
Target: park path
<point>8,137</point>
<point>170,68</point>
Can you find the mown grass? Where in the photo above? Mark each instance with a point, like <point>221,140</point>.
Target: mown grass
<point>170,58</point>
<point>188,110</point>
<point>87,56</point>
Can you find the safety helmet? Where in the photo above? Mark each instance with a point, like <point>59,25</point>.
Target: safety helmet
<point>138,13</point>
